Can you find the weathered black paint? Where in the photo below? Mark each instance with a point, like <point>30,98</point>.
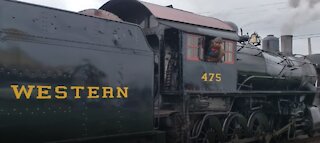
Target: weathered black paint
<point>44,46</point>
<point>267,71</point>
<point>53,47</point>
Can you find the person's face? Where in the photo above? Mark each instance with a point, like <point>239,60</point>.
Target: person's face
<point>216,44</point>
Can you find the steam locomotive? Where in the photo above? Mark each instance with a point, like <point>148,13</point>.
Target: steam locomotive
<point>138,72</point>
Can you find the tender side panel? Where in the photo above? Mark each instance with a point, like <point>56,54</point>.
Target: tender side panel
<point>47,47</point>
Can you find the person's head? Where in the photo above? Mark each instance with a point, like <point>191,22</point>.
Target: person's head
<point>216,42</point>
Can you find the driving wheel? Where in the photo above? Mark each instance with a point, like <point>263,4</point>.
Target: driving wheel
<point>210,131</point>
<point>235,127</point>
<point>258,124</point>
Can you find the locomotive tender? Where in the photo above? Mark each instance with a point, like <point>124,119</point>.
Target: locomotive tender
<point>71,77</point>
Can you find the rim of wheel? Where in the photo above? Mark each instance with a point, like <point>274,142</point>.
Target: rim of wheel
<point>207,136</point>
<point>235,127</point>
<point>258,123</point>
<point>210,132</point>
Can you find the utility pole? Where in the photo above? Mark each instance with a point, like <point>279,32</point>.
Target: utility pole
<point>309,46</point>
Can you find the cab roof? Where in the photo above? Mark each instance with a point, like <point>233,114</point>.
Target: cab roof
<point>124,9</point>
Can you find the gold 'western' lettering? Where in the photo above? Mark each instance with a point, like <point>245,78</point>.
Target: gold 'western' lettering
<point>122,93</point>
<point>107,91</point>
<point>93,92</point>
<point>23,90</point>
<point>77,90</point>
<point>61,92</point>
<point>43,92</point>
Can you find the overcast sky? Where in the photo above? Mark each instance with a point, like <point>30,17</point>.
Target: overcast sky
<point>298,17</point>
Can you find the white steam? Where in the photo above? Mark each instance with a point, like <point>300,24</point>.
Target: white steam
<point>301,12</point>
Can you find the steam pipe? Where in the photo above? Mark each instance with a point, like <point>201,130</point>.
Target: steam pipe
<point>309,46</point>
<point>286,45</point>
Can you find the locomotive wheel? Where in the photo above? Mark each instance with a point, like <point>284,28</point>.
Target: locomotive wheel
<point>210,132</point>
<point>235,127</point>
<point>258,124</point>
<point>207,136</point>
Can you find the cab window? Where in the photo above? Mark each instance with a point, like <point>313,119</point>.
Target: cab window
<point>229,50</point>
<point>199,48</point>
<point>220,51</point>
<point>194,44</point>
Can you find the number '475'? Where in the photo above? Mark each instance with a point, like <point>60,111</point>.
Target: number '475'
<point>211,77</point>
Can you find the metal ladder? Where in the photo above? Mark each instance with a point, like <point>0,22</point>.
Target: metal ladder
<point>168,79</point>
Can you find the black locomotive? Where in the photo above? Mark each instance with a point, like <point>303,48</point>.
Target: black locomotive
<point>145,76</point>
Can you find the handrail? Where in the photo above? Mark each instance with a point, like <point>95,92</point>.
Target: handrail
<point>254,76</point>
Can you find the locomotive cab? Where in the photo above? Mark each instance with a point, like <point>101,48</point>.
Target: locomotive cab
<point>181,42</point>
<point>202,74</point>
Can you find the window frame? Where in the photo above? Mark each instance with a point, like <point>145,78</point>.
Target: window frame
<point>196,49</point>
<point>226,52</point>
<point>199,49</point>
